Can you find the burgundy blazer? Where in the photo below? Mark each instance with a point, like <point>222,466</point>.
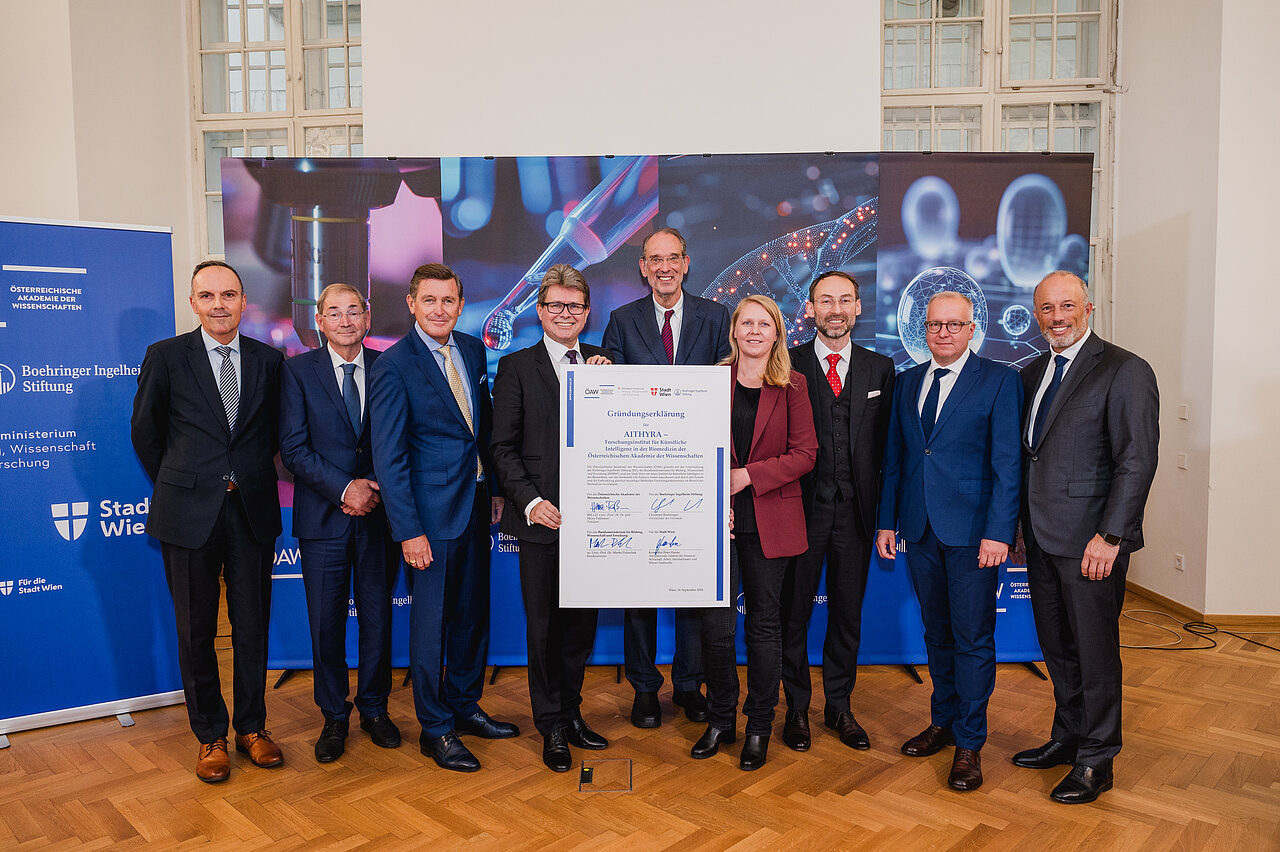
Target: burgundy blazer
<point>784,447</point>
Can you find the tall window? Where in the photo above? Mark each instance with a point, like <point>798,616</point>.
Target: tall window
<point>1006,75</point>
<point>273,79</point>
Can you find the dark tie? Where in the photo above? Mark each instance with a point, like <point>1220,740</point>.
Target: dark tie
<point>833,378</point>
<point>573,356</point>
<point>668,339</point>
<point>929,414</point>
<point>351,395</point>
<point>228,388</point>
<point>1059,366</point>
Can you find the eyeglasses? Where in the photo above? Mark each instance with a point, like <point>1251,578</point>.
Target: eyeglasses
<point>953,327</point>
<point>658,260</point>
<point>556,308</point>
<point>336,316</point>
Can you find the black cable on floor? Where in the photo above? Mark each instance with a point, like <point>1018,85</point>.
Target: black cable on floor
<point>1196,628</point>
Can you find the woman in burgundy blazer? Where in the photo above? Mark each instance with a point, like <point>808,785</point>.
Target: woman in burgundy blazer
<point>774,444</point>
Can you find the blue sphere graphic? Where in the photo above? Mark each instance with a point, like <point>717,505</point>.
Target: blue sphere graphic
<point>915,302</point>
<point>930,217</point>
<point>1030,226</point>
<point>1015,320</point>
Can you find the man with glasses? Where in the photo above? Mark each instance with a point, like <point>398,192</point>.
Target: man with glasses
<point>339,520</point>
<point>668,326</point>
<point>431,417</point>
<point>526,462</point>
<point>952,468</point>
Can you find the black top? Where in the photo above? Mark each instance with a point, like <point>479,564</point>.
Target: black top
<point>746,401</point>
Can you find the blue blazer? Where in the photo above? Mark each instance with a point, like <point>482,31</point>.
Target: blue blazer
<point>633,333</point>
<point>423,452</point>
<point>319,446</point>
<point>965,480</point>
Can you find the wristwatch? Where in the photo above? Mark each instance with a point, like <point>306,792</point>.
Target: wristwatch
<point>1110,539</point>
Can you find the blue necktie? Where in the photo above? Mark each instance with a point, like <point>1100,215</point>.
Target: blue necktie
<point>351,395</point>
<point>929,414</point>
<point>1037,429</point>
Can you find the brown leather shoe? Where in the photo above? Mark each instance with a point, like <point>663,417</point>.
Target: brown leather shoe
<point>929,741</point>
<point>213,765</point>
<point>966,770</point>
<point>261,750</point>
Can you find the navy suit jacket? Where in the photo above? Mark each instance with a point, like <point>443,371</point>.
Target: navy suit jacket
<point>1093,468</point>
<point>319,446</point>
<point>423,452</point>
<point>633,333</point>
<point>180,433</point>
<point>965,479</point>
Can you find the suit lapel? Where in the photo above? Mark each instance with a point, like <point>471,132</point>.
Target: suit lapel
<point>328,379</point>
<point>1036,368</point>
<point>1090,355</point>
<point>646,320</point>
<point>430,369</point>
<point>202,370</point>
<point>690,328</point>
<point>546,370</point>
<point>856,382</point>
<point>250,383</point>
<point>912,381</point>
<point>964,383</point>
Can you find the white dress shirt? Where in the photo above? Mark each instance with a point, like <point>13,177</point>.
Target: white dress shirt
<point>946,384</point>
<point>559,354</point>
<point>215,357</point>
<point>1070,354</point>
<point>842,366</point>
<point>676,321</point>
<point>359,373</point>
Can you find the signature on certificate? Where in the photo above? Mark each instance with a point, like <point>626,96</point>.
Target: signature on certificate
<point>690,505</point>
<point>606,505</point>
<point>661,503</point>
<point>666,542</point>
<point>609,542</point>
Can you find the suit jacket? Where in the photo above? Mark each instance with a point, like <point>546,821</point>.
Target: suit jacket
<point>634,335</point>
<point>526,435</point>
<point>320,447</point>
<point>784,447</point>
<point>964,480</point>
<point>869,381</point>
<point>1093,467</point>
<point>423,451</point>
<point>180,433</point>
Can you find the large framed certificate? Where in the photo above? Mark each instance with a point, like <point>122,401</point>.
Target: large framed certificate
<point>644,486</point>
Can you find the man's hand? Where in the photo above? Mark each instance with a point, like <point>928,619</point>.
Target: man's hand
<point>546,514</point>
<point>417,552</point>
<point>738,479</point>
<point>598,359</point>
<point>991,553</point>
<point>1098,558</point>
<point>495,509</point>
<point>886,545</point>
<point>361,497</point>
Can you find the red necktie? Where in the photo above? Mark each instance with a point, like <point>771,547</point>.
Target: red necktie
<point>668,339</point>
<point>833,378</point>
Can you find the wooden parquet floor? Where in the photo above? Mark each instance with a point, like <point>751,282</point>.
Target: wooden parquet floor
<point>1200,771</point>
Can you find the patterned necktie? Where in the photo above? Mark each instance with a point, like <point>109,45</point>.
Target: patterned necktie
<point>833,378</point>
<point>460,396</point>
<point>1059,367</point>
<point>351,395</point>
<point>228,387</point>
<point>573,356</point>
<point>929,414</point>
<point>668,339</point>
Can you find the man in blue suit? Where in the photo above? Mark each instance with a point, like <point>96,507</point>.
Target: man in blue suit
<point>431,420</point>
<point>668,326</point>
<point>952,470</point>
<point>340,525</point>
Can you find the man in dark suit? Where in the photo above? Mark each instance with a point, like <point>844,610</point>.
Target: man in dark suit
<point>340,525</point>
<point>526,461</point>
<point>1091,432</point>
<point>850,389</point>
<point>204,427</point>
<point>952,470</point>
<point>431,415</point>
<point>669,326</point>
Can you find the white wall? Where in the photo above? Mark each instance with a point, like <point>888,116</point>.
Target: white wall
<point>609,77</point>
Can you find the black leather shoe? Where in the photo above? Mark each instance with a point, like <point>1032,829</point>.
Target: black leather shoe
<point>1052,753</point>
<point>795,732</point>
<point>755,748</point>
<point>1083,784</point>
<point>645,711</point>
<point>709,743</point>
<point>555,751</point>
<point>929,741</point>
<point>693,702</point>
<point>966,770</point>
<point>382,731</point>
<point>448,752</point>
<point>333,739</point>
<point>851,733</point>
<point>481,724</point>
<point>583,737</point>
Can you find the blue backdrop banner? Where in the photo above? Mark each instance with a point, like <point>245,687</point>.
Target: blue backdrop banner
<point>86,622</point>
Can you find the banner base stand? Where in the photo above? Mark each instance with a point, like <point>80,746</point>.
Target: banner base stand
<point>910,669</point>
<point>1034,668</point>
<point>125,720</point>
<point>284,675</point>
<point>120,708</point>
<point>4,741</point>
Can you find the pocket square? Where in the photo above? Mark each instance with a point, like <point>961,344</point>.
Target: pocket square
<point>873,393</point>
